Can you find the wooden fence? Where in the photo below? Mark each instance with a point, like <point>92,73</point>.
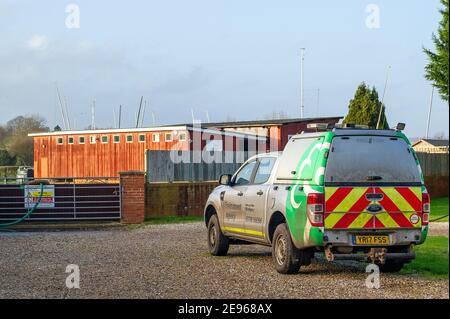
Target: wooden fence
<point>162,168</point>
<point>435,171</point>
<point>434,164</point>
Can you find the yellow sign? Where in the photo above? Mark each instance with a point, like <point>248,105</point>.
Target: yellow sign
<point>34,194</point>
<point>371,240</point>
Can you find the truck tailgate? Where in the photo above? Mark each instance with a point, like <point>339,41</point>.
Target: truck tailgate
<point>373,207</point>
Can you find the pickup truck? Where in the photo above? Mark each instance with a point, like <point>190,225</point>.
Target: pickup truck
<point>354,194</point>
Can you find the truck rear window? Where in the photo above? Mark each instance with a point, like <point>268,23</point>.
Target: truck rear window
<point>371,159</point>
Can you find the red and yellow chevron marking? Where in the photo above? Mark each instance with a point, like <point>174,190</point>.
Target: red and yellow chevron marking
<point>346,207</point>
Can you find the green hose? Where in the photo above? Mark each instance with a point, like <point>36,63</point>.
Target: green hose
<point>31,211</point>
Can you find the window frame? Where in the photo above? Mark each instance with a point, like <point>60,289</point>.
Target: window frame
<point>252,175</point>
<point>132,138</point>
<point>92,141</point>
<point>182,139</point>
<point>259,159</point>
<point>168,134</point>
<point>70,138</point>
<point>114,139</point>
<point>79,140</point>
<point>157,136</point>
<point>139,138</point>
<point>60,138</point>
<point>107,139</point>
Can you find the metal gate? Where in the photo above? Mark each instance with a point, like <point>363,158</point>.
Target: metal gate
<point>61,199</point>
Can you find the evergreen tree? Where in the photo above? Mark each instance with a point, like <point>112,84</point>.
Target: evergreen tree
<point>364,108</point>
<point>437,69</point>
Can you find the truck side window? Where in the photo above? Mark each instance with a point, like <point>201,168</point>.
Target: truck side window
<point>245,174</point>
<point>264,170</point>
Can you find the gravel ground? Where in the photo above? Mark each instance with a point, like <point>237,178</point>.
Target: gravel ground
<point>171,261</point>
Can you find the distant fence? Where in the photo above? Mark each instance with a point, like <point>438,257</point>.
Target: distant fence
<point>434,164</point>
<point>161,167</point>
<point>177,199</point>
<point>435,170</point>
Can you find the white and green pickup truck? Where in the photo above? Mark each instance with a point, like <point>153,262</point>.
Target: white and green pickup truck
<point>351,193</point>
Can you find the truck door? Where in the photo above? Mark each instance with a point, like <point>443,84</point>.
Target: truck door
<point>234,220</point>
<point>255,198</point>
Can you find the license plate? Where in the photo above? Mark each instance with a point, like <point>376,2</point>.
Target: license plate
<point>370,240</point>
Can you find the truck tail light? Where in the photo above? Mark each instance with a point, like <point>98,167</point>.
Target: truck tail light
<point>315,208</point>
<point>425,208</point>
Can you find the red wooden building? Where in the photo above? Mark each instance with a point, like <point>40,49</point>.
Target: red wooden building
<point>105,153</point>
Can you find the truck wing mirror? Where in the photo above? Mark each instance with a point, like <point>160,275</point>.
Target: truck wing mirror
<point>225,179</point>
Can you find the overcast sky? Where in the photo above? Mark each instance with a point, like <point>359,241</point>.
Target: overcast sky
<point>230,58</point>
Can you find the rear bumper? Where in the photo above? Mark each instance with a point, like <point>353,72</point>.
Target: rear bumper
<point>365,257</point>
<point>397,237</point>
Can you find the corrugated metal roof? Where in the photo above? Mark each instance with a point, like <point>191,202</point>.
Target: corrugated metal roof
<point>273,122</point>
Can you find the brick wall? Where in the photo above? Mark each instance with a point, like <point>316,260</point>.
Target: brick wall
<point>133,197</point>
<point>177,199</point>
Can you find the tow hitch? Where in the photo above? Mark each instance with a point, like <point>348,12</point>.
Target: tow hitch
<point>375,255</point>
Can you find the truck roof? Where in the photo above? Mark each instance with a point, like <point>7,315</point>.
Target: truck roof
<point>348,131</point>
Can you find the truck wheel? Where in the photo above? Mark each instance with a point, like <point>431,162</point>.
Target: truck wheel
<point>391,266</point>
<point>285,255</point>
<point>218,244</point>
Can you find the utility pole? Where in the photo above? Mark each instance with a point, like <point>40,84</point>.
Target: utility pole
<point>429,112</point>
<point>120,114</point>
<point>138,116</point>
<point>302,106</point>
<point>153,118</point>
<point>93,115</point>
<point>61,107</point>
<point>382,99</point>
<point>143,113</point>
<point>318,102</point>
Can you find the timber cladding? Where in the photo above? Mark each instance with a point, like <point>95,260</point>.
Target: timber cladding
<point>177,199</point>
<point>96,154</point>
<point>435,168</point>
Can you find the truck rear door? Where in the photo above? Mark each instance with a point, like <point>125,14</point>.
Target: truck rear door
<point>372,182</point>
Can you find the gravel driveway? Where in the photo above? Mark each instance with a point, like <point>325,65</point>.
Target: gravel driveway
<point>171,261</point>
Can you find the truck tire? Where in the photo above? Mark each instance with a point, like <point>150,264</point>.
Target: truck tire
<point>218,244</point>
<point>286,256</point>
<point>391,266</point>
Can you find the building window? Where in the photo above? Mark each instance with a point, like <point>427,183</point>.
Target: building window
<point>141,138</point>
<point>168,137</point>
<point>129,138</point>
<point>92,139</point>
<point>155,138</point>
<point>60,141</point>
<point>182,137</point>
<point>70,140</point>
<point>116,139</point>
<point>105,139</point>
<point>81,140</point>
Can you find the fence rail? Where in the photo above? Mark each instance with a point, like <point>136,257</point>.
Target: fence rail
<point>61,200</point>
<point>162,168</point>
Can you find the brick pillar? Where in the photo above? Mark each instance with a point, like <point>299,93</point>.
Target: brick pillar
<point>132,184</point>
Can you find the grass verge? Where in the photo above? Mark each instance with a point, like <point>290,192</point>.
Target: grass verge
<point>439,208</point>
<point>431,259</point>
